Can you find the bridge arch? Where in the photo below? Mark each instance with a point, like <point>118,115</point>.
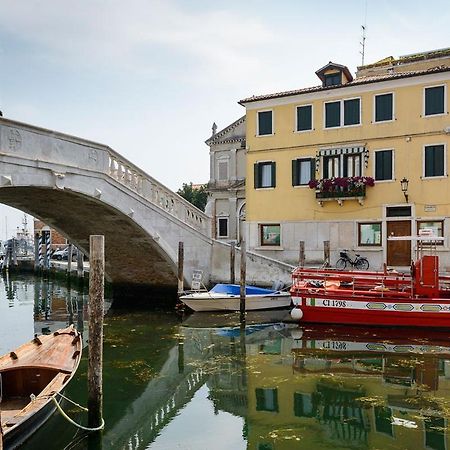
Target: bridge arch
<point>82,188</point>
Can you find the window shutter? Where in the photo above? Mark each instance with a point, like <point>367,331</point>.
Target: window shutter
<point>313,169</point>
<point>295,172</point>
<point>274,178</point>
<point>256,175</point>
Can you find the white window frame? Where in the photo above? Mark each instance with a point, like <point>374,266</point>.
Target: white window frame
<point>223,159</point>
<point>375,108</point>
<point>423,177</point>
<point>445,101</point>
<point>341,107</point>
<point>312,158</point>
<point>264,162</point>
<point>296,130</point>
<point>219,218</point>
<point>375,164</point>
<point>257,122</point>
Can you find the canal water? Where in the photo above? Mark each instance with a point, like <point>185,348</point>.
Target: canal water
<point>201,381</point>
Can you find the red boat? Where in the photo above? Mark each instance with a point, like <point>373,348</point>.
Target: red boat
<point>420,298</point>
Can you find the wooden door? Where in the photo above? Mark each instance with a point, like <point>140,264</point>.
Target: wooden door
<point>399,252</point>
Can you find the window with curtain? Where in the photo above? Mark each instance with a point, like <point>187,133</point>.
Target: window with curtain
<point>303,171</point>
<point>264,174</point>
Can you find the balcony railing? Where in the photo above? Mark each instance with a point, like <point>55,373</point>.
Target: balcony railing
<point>342,192</point>
<point>340,189</point>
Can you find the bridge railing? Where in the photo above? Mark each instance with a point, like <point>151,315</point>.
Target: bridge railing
<point>135,179</point>
<point>47,146</point>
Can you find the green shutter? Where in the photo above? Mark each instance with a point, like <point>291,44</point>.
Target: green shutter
<point>351,112</point>
<point>256,175</point>
<point>434,100</point>
<point>332,114</point>
<point>274,177</point>
<point>313,168</point>
<point>295,172</point>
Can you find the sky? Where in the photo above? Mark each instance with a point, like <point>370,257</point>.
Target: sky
<point>148,77</point>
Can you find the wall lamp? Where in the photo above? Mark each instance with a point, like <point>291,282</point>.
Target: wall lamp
<point>404,184</point>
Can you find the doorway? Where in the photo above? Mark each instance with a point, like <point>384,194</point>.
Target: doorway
<point>398,252</point>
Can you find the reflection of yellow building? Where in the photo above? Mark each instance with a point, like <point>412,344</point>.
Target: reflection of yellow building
<point>336,399</point>
<point>389,123</point>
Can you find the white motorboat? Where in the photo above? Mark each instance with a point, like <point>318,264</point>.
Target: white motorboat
<point>226,297</point>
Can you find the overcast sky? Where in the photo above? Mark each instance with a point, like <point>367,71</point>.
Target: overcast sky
<point>148,78</point>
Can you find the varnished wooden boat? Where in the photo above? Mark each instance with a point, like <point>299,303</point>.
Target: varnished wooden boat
<point>30,376</point>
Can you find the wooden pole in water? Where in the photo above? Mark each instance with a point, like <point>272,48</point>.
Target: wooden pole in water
<point>96,302</point>
<point>232,262</point>
<point>69,259</point>
<point>80,268</point>
<point>326,253</point>
<point>180,267</point>
<point>242,281</point>
<point>301,256</point>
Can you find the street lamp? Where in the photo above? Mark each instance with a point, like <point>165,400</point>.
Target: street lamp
<point>404,184</point>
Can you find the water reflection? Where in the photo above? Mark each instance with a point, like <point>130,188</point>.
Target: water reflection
<point>208,382</point>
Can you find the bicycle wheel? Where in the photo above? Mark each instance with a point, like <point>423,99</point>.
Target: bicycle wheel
<point>341,264</point>
<point>362,264</point>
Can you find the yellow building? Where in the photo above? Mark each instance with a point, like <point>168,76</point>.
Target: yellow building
<point>326,163</point>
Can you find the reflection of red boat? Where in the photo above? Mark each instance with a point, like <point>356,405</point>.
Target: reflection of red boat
<point>419,298</point>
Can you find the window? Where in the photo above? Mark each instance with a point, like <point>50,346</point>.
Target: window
<point>351,111</point>
<point>266,399</point>
<point>434,100</point>
<point>384,107</point>
<point>332,114</point>
<point>333,79</point>
<point>222,227</point>
<point>265,123</point>
<point>303,405</point>
<point>435,438</point>
<point>343,113</point>
<point>434,161</point>
<point>304,118</point>
<point>436,225</point>
<point>303,171</point>
<point>369,234</point>
<point>270,234</point>
<point>383,165</point>
<point>342,165</point>
<point>398,211</point>
<point>383,420</point>
<point>222,170</point>
<point>265,174</point>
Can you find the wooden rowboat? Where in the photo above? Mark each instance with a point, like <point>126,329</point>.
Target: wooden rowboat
<point>30,377</point>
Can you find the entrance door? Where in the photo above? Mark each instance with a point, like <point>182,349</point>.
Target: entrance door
<point>399,252</point>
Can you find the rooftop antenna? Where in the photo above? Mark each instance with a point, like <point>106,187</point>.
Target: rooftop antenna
<point>363,35</point>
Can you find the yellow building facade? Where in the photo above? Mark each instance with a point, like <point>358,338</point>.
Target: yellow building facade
<point>326,163</point>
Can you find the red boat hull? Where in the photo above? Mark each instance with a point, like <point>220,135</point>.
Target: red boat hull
<point>331,311</point>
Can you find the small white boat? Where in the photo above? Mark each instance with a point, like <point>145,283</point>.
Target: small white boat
<point>226,297</point>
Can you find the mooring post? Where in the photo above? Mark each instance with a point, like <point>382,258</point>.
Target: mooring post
<point>36,252</point>
<point>69,259</point>
<point>326,253</point>
<point>301,256</point>
<point>96,302</point>
<point>232,262</point>
<point>242,281</point>
<point>80,267</point>
<point>14,252</point>
<point>180,267</point>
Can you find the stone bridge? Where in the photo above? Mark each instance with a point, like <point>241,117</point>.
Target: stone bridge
<point>81,188</point>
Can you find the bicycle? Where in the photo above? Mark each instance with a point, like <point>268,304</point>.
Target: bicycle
<point>359,262</point>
